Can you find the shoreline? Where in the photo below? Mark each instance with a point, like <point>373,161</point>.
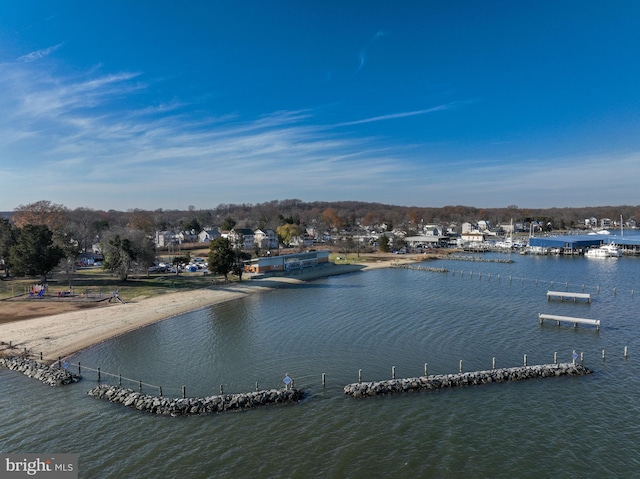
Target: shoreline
<point>62,335</point>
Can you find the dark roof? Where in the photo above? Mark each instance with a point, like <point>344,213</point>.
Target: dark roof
<point>243,231</point>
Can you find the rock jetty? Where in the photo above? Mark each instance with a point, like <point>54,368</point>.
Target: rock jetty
<point>436,382</point>
<point>50,375</point>
<point>194,406</point>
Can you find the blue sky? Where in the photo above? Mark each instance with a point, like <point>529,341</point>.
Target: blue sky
<point>121,105</point>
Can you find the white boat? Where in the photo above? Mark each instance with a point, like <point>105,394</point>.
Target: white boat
<point>609,250</point>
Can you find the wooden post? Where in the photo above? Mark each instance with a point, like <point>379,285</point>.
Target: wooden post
<point>581,358</point>
<point>221,389</point>
<point>119,379</point>
<point>426,369</point>
<point>393,372</point>
<point>256,385</point>
<point>98,374</point>
<point>324,382</point>
<point>603,354</point>
<point>525,360</point>
<point>140,386</point>
<point>555,358</point>
<point>493,363</point>
<point>40,355</point>
<point>359,375</point>
<point>460,366</point>
<point>184,392</point>
<point>59,362</point>
<point>626,351</point>
<point>79,371</point>
<point>160,390</point>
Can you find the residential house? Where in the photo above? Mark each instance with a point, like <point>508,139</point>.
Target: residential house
<point>605,223</point>
<point>472,237</point>
<point>467,227</point>
<point>165,238</point>
<point>187,236</point>
<point>265,239</point>
<point>242,237</point>
<point>208,234</point>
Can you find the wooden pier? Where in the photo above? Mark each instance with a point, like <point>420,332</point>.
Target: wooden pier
<point>569,319</point>
<point>565,294</point>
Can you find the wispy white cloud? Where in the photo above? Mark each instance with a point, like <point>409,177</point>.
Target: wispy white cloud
<point>83,132</point>
<point>38,54</point>
<point>77,127</point>
<point>363,54</point>
<point>393,116</point>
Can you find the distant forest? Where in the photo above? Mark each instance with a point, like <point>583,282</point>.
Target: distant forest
<point>330,215</point>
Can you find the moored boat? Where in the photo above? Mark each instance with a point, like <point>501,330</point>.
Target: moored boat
<point>609,250</point>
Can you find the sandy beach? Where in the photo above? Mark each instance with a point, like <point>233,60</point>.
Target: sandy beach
<point>63,334</point>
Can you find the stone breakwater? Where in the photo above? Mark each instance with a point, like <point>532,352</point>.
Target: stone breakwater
<point>436,382</point>
<point>52,376</point>
<point>194,406</point>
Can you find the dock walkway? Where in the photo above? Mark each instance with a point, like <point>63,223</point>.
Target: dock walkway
<point>565,294</point>
<point>569,319</point>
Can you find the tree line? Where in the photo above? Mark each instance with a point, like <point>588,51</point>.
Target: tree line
<point>37,237</point>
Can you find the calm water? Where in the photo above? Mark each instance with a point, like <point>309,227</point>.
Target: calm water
<point>571,427</point>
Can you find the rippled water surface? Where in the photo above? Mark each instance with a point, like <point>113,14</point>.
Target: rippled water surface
<point>373,321</point>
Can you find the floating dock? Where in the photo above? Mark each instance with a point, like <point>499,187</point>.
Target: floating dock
<point>565,294</point>
<point>569,319</point>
